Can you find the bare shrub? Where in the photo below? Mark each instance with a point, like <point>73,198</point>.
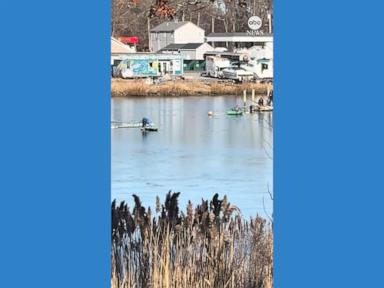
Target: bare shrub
<point>126,88</point>
<point>210,245</point>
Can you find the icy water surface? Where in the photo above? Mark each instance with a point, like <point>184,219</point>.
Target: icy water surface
<point>192,153</point>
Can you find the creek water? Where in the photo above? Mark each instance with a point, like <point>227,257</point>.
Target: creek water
<point>193,153</point>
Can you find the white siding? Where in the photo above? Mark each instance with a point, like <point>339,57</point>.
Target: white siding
<point>188,54</point>
<point>202,50</point>
<point>161,39</point>
<point>119,47</point>
<point>189,33</point>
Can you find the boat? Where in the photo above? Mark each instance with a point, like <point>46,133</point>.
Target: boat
<point>234,112</point>
<point>149,129</point>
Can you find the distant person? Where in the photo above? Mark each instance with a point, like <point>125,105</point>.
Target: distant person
<point>270,98</point>
<point>261,101</point>
<point>144,122</point>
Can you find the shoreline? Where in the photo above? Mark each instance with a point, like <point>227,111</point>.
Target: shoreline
<point>181,88</point>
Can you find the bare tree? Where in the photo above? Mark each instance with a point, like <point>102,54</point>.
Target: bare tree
<point>129,16</point>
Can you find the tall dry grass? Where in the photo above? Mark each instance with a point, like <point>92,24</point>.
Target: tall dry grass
<point>123,88</point>
<point>208,246</point>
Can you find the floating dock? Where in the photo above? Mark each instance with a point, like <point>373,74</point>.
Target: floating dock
<point>117,125</point>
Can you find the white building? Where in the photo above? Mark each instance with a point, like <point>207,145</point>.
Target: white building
<point>260,60</point>
<point>175,33</point>
<point>189,51</point>
<point>118,48</point>
<point>258,48</point>
<point>239,40</point>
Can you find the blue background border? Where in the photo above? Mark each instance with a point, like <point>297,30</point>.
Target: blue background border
<point>328,144</point>
<point>55,151</point>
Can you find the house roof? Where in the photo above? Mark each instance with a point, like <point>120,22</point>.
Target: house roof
<point>188,46</point>
<point>213,53</point>
<point>173,47</point>
<point>233,34</point>
<point>192,45</point>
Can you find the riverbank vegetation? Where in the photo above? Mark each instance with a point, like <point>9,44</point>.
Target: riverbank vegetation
<point>209,245</point>
<point>126,88</point>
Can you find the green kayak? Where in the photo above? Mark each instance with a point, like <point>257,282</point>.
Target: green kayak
<point>234,112</point>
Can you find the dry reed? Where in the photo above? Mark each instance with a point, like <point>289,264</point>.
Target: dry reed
<point>124,88</point>
<point>207,246</point>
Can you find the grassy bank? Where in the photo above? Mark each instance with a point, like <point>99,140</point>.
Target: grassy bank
<point>206,246</point>
<point>124,88</point>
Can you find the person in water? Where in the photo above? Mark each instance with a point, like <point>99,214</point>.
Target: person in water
<point>144,122</point>
<point>261,101</point>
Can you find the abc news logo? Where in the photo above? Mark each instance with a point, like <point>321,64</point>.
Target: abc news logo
<point>254,23</point>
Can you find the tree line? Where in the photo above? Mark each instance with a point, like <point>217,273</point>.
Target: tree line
<point>137,17</point>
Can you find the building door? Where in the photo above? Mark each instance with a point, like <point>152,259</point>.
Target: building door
<point>165,67</point>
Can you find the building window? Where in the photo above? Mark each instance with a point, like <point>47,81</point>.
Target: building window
<point>116,62</point>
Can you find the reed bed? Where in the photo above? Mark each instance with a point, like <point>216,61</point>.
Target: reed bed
<point>206,246</point>
<point>125,88</point>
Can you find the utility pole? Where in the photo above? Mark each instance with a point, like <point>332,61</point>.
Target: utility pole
<point>149,33</point>
<point>213,29</point>
<point>270,22</point>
